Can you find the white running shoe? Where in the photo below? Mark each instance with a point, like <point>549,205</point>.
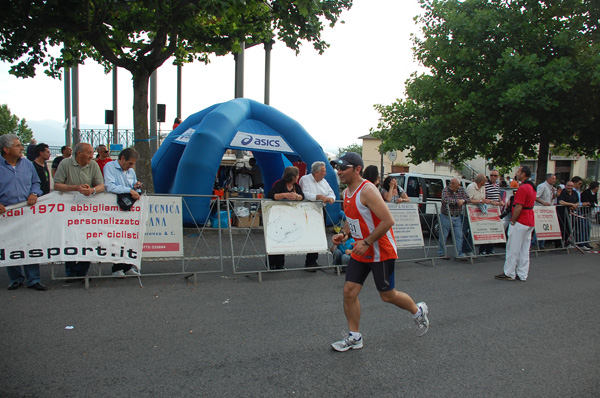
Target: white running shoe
<point>422,321</point>
<point>119,274</point>
<point>348,343</point>
<point>133,271</point>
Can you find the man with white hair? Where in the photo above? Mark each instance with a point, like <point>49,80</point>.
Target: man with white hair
<point>476,193</point>
<point>316,187</point>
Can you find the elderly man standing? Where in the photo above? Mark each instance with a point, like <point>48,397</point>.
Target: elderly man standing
<point>516,265</point>
<point>120,178</point>
<point>79,173</point>
<point>476,192</point>
<point>19,182</point>
<point>316,187</point>
<point>453,199</point>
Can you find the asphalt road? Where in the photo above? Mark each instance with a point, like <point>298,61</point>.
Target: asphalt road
<point>231,336</point>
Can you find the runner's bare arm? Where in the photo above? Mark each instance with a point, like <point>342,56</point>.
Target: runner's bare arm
<point>371,198</point>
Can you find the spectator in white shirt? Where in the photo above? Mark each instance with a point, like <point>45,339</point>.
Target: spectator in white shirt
<point>315,187</point>
<point>546,191</point>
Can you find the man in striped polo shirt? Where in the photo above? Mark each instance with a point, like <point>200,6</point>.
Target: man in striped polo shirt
<point>492,192</point>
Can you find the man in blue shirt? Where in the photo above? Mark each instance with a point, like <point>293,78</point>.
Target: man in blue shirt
<point>19,182</point>
<point>120,178</point>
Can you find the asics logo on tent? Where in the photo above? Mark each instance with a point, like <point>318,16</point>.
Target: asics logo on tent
<point>261,142</point>
<point>247,140</point>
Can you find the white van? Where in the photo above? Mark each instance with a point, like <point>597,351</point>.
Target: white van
<point>426,189</point>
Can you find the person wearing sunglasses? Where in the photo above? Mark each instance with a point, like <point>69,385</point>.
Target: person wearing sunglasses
<point>370,222</point>
<point>103,157</point>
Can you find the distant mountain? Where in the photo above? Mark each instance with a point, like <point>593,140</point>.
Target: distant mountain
<point>49,132</point>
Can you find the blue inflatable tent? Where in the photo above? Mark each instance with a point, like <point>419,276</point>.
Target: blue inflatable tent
<point>189,158</point>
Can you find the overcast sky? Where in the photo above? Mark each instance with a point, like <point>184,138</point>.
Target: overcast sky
<point>331,95</point>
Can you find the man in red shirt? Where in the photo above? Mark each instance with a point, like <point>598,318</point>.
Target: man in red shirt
<point>369,220</point>
<point>103,157</point>
<point>522,223</point>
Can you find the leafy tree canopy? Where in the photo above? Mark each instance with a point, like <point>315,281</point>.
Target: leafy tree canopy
<point>506,79</point>
<point>10,124</point>
<point>140,35</point>
<point>351,148</point>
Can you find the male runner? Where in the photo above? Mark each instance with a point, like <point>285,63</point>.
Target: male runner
<point>370,223</point>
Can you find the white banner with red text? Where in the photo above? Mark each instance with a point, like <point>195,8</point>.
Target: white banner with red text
<point>546,223</point>
<point>486,227</point>
<point>164,227</point>
<point>73,227</point>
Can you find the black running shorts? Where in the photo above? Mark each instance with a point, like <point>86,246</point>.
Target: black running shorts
<point>383,273</point>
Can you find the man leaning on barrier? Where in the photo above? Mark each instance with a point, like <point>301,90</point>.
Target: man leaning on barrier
<point>569,200</point>
<point>120,178</point>
<point>79,173</point>
<point>316,187</point>
<point>19,182</point>
<point>454,197</point>
<point>476,193</point>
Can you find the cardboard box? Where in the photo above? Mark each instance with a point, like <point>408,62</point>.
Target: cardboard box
<point>229,194</point>
<point>247,222</point>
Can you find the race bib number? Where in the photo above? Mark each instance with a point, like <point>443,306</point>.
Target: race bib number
<point>354,228</point>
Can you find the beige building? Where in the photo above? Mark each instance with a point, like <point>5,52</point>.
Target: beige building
<point>565,167</point>
<point>371,156</point>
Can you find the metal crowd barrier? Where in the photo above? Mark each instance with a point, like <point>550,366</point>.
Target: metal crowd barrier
<point>202,245</point>
<point>457,231</point>
<point>204,241</point>
<point>580,226</point>
<point>430,229</point>
<point>250,256</point>
<point>548,245</point>
<point>468,247</point>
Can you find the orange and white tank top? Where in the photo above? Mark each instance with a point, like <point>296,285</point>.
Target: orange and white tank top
<point>362,222</point>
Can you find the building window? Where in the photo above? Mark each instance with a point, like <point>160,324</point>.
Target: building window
<point>592,169</point>
<point>532,164</point>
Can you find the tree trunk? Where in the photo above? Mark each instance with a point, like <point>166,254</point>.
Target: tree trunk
<point>542,167</point>
<point>140,125</point>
